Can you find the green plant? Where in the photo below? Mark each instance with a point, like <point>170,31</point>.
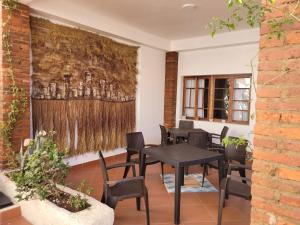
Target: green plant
<point>42,168</point>
<point>19,102</point>
<point>236,141</point>
<point>77,201</point>
<point>253,13</point>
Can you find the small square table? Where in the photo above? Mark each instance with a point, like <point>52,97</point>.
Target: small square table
<point>180,156</point>
<point>182,132</point>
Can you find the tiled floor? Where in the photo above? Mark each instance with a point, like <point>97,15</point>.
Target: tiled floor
<point>196,208</point>
<point>18,221</point>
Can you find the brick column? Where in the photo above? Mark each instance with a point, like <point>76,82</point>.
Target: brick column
<point>170,89</point>
<point>20,34</point>
<point>276,177</point>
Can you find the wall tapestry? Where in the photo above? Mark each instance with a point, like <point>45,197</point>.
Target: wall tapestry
<point>83,87</point>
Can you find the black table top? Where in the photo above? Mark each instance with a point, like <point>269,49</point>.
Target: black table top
<point>180,155</point>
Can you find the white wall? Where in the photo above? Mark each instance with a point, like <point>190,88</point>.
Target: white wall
<point>214,61</point>
<point>150,93</point>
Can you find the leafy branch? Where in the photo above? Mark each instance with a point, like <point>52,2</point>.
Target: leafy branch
<point>253,13</point>
<point>19,102</point>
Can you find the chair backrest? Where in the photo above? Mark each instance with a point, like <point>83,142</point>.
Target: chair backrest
<point>199,139</point>
<point>224,133</point>
<point>185,124</point>
<point>103,167</point>
<point>135,141</point>
<point>164,135</point>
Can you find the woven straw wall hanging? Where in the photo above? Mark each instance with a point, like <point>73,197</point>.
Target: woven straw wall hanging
<point>83,87</point>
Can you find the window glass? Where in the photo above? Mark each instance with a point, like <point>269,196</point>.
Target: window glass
<point>242,83</point>
<point>241,94</point>
<point>221,101</point>
<point>238,105</point>
<point>190,83</point>
<point>240,116</point>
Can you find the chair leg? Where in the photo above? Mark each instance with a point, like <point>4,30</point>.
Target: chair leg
<point>147,206</point>
<point>243,174</point>
<point>162,171</point>
<point>204,173</point>
<point>127,168</point>
<point>138,204</point>
<point>133,171</point>
<point>221,204</point>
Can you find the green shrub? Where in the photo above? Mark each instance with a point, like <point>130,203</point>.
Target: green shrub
<point>42,168</point>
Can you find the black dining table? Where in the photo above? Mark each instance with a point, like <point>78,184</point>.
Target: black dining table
<point>182,132</point>
<point>180,156</point>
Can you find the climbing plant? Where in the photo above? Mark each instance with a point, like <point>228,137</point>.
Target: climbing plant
<point>253,13</point>
<point>19,101</point>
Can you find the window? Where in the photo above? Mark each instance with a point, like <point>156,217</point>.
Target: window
<point>196,99</point>
<point>220,98</point>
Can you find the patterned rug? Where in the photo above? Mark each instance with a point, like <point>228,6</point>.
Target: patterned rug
<point>192,183</point>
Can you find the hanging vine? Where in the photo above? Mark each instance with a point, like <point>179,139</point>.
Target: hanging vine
<point>19,101</point>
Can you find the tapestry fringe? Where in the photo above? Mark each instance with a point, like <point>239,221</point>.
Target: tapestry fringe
<point>85,125</point>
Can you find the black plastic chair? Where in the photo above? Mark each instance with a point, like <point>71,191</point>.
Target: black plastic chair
<point>186,124</point>
<point>232,154</point>
<point>240,187</point>
<point>220,137</point>
<point>135,144</point>
<point>201,140</point>
<point>118,190</point>
<point>165,136</point>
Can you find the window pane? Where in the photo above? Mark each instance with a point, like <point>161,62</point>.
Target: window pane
<point>190,83</point>
<point>206,83</point>
<point>200,98</point>
<point>222,94</point>
<point>241,94</point>
<point>206,98</point>
<point>201,83</point>
<point>240,105</point>
<point>221,83</point>
<point>240,116</point>
<point>221,114</point>
<point>219,104</point>
<point>201,113</point>
<point>187,97</point>
<point>190,112</point>
<point>192,98</point>
<point>242,83</point>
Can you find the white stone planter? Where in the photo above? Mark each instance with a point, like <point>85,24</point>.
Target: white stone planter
<point>39,212</point>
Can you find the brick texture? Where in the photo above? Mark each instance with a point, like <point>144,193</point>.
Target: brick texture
<point>170,89</point>
<point>276,165</point>
<point>20,36</point>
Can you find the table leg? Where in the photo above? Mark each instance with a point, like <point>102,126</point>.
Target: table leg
<point>178,176</point>
<point>182,169</point>
<point>221,170</point>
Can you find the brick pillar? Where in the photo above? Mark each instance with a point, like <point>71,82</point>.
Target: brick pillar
<point>20,35</point>
<point>170,89</point>
<point>276,177</point>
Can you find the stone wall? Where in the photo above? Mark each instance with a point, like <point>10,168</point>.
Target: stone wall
<point>276,178</point>
<point>20,33</point>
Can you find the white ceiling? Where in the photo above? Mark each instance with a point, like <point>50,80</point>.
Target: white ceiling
<point>163,18</point>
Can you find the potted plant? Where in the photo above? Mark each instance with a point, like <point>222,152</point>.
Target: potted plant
<point>38,187</point>
<point>237,148</point>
